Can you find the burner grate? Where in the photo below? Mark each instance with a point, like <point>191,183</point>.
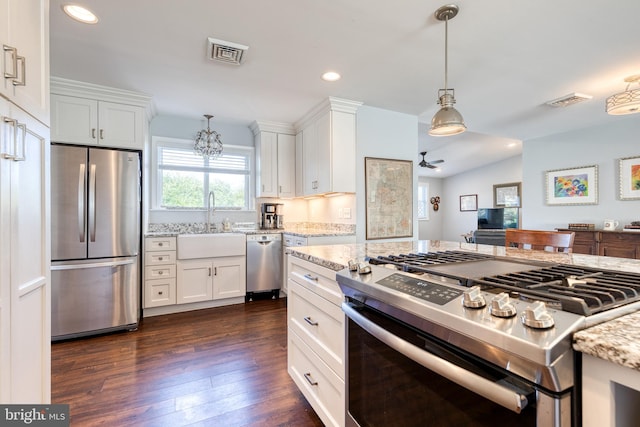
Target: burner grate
<point>578,290</point>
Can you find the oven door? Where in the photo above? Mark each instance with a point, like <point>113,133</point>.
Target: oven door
<point>399,376</point>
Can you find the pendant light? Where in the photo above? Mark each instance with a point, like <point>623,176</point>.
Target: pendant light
<point>627,102</point>
<point>208,143</point>
<point>447,121</point>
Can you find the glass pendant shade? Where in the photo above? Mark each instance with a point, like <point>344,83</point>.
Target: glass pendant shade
<point>447,121</point>
<point>208,143</point>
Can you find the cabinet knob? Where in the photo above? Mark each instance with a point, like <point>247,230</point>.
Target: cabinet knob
<point>101,133</point>
<point>160,244</point>
<point>160,293</point>
<point>160,273</point>
<point>160,258</point>
<point>93,133</point>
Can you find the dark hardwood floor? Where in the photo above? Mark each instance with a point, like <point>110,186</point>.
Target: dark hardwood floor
<point>223,366</point>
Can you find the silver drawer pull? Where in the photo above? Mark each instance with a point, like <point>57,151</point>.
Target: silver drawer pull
<point>309,321</point>
<point>310,380</point>
<point>310,277</point>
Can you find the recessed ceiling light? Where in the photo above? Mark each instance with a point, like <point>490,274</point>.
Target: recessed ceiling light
<point>331,76</point>
<point>80,13</point>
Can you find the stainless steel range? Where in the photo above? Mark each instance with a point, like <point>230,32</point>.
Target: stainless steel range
<point>480,339</point>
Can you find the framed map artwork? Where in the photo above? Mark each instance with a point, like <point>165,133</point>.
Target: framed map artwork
<point>389,198</point>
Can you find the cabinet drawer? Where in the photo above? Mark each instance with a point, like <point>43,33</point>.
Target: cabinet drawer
<point>159,271</point>
<point>319,323</point>
<point>159,258</point>
<point>317,279</point>
<point>160,244</point>
<point>159,292</point>
<point>323,389</point>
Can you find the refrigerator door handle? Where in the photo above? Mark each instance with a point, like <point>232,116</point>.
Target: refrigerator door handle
<point>92,203</point>
<point>92,265</point>
<point>81,202</point>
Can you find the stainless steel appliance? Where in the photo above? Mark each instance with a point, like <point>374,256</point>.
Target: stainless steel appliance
<point>264,265</point>
<point>457,338</point>
<point>271,216</point>
<point>95,223</point>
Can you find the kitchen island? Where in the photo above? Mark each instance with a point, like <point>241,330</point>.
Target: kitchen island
<point>603,384</point>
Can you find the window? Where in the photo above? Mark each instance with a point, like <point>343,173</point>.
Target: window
<point>423,200</point>
<point>183,179</point>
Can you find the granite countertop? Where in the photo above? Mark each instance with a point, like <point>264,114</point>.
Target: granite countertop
<point>616,341</point>
<point>336,257</point>
<point>171,230</point>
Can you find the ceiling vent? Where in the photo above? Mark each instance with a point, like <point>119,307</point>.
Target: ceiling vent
<point>220,50</point>
<point>572,98</point>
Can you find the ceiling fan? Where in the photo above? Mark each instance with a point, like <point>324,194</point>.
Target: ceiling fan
<point>430,165</point>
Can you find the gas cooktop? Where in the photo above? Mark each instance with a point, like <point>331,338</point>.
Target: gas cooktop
<point>581,290</point>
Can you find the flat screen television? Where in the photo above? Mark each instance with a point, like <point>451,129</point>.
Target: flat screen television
<point>497,218</point>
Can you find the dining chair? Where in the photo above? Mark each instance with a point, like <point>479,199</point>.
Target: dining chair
<point>552,241</point>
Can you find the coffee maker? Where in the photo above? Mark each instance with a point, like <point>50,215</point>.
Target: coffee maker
<point>271,216</point>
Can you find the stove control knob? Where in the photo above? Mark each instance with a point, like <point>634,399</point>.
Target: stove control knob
<point>353,265</point>
<point>472,298</point>
<point>501,306</point>
<point>364,268</point>
<point>537,316</point>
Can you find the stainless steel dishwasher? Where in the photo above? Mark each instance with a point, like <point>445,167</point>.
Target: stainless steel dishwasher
<point>264,265</point>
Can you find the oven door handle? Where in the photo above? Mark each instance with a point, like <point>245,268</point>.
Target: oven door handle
<point>503,396</point>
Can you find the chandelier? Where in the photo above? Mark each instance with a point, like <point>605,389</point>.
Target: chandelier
<point>627,102</point>
<point>208,143</point>
<point>447,121</point>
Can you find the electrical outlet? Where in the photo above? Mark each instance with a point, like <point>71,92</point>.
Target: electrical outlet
<point>346,213</point>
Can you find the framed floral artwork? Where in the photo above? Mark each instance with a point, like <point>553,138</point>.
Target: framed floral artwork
<point>572,186</point>
<point>629,178</point>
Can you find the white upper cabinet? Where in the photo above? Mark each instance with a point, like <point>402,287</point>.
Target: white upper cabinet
<point>327,136</point>
<point>275,159</point>
<point>87,114</point>
<point>87,121</point>
<point>24,36</point>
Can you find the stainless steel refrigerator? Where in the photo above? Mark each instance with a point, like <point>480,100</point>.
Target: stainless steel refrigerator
<point>95,236</point>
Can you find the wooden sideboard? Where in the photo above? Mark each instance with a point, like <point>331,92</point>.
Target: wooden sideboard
<point>622,244</point>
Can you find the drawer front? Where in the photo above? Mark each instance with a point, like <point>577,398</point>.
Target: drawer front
<point>317,279</point>
<point>319,323</point>
<point>160,271</point>
<point>160,244</point>
<point>319,384</point>
<point>159,258</point>
<point>159,292</point>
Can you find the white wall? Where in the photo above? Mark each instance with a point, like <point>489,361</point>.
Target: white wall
<point>478,181</point>
<point>599,145</point>
<point>384,134</point>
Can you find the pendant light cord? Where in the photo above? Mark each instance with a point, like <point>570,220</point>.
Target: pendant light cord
<point>446,50</point>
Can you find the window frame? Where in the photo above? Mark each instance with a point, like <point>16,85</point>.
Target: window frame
<point>423,187</point>
<point>185,144</point>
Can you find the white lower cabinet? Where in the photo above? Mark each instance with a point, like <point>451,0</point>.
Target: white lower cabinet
<point>159,271</point>
<point>316,338</point>
<point>210,279</point>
